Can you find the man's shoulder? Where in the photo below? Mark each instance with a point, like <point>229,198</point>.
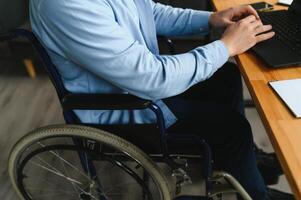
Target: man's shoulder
<point>67,6</point>
<point>70,11</point>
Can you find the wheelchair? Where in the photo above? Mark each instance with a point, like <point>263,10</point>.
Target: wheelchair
<point>91,161</point>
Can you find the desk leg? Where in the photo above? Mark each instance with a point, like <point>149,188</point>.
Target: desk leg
<point>30,68</point>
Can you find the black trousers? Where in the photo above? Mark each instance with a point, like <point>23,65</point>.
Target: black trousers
<point>213,110</point>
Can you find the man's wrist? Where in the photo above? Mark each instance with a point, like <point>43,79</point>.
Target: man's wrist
<point>228,46</point>
<point>211,19</point>
<point>200,22</point>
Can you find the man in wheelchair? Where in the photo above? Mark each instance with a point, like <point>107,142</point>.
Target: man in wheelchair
<point>110,46</point>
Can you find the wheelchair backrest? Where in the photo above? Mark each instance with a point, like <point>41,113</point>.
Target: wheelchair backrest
<point>15,13</point>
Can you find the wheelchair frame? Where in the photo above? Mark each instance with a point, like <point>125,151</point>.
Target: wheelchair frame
<point>70,102</point>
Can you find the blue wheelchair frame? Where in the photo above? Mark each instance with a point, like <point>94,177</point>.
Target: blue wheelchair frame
<point>70,101</point>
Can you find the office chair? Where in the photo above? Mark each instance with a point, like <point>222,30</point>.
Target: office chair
<point>76,159</point>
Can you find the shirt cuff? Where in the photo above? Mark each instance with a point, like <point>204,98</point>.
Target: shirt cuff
<point>200,22</point>
<point>222,53</point>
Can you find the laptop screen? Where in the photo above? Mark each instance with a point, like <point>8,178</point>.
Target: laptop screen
<point>296,7</point>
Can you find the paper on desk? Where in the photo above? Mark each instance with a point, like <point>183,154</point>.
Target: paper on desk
<point>290,92</point>
<point>286,2</point>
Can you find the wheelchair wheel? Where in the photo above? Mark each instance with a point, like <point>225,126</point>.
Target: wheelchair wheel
<point>76,162</point>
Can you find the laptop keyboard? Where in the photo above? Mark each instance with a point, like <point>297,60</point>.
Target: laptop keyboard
<point>285,28</point>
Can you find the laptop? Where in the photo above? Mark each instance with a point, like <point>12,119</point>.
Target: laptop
<point>284,49</point>
<point>290,92</point>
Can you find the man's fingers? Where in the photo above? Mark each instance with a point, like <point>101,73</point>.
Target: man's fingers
<point>264,36</point>
<point>245,11</point>
<point>229,22</point>
<point>249,19</point>
<point>256,24</point>
<point>249,9</point>
<point>262,29</point>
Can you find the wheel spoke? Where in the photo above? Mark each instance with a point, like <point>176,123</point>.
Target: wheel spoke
<point>66,172</point>
<point>54,172</point>
<point>48,164</point>
<point>68,163</point>
<point>87,193</point>
<point>54,168</point>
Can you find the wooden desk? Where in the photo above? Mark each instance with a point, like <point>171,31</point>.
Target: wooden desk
<point>283,128</point>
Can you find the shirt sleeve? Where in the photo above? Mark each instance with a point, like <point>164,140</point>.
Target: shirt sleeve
<point>89,36</point>
<point>177,21</point>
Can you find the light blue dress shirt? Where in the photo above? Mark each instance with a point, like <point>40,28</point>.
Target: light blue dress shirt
<point>110,46</point>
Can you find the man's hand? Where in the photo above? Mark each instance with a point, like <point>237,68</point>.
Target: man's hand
<point>244,34</point>
<point>230,16</point>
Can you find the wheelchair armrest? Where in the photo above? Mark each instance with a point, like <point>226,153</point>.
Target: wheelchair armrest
<point>103,102</point>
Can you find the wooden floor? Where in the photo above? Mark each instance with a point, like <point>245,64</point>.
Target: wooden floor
<point>25,104</point>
